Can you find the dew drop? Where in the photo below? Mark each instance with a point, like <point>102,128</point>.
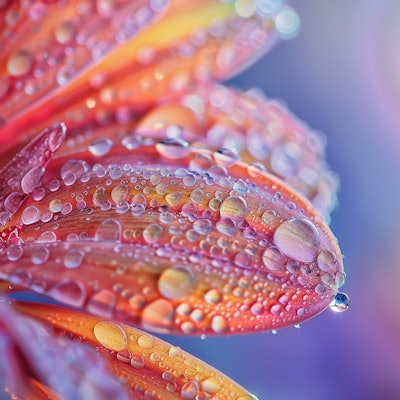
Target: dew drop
<point>20,63</point>
<point>69,292</point>
<point>65,32</point>
<point>190,390</point>
<point>176,283</point>
<point>226,157</point>
<point>101,147</point>
<point>340,302</point>
<point>73,258</point>
<point>211,385</point>
<point>40,255</point>
<point>109,230</point>
<point>219,324</point>
<point>234,207</point>
<point>111,335</point>
<point>145,341</point>
<point>31,180</point>
<point>30,215</point>
<point>152,233</point>
<point>326,261</point>
<point>158,315</point>
<point>14,252</point>
<point>272,259</point>
<point>297,238</point>
<point>173,148</point>
<point>102,303</point>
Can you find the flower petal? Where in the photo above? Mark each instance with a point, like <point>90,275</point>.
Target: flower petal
<point>70,369</point>
<point>150,367</point>
<point>193,42</point>
<point>175,238</point>
<point>45,46</point>
<point>23,174</point>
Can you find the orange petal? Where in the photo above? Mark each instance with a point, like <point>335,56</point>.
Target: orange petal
<point>46,45</point>
<point>177,239</point>
<point>150,367</point>
<point>39,365</point>
<point>193,42</point>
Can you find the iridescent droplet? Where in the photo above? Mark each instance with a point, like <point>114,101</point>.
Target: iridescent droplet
<point>297,238</point>
<point>340,302</point>
<point>176,283</point>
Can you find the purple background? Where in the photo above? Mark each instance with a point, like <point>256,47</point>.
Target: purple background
<point>341,75</point>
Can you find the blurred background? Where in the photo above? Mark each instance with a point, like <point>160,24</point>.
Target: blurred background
<point>340,74</point>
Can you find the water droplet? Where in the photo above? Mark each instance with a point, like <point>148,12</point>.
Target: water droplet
<point>14,252</point>
<point>176,283</point>
<point>152,233</point>
<point>158,316</point>
<point>109,230</point>
<point>31,180</point>
<point>297,238</point>
<point>226,226</point>
<point>340,302</point>
<point>173,199</point>
<point>101,147</point>
<point>40,255</point>
<point>234,207</point>
<point>213,296</point>
<point>189,390</point>
<point>20,63</point>
<point>102,303</point>
<point>30,215</point>
<point>145,341</point>
<point>65,32</point>
<point>219,324</point>
<point>137,360</point>
<point>272,258</point>
<point>173,148</point>
<point>326,261</point>
<point>69,292</point>
<point>211,385</point>
<point>110,335</point>
<point>226,157</point>
<point>73,258</point>
<point>268,217</point>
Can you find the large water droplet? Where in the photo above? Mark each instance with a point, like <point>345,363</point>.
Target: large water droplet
<point>297,238</point>
<point>176,283</point>
<point>111,335</point>
<point>234,207</point>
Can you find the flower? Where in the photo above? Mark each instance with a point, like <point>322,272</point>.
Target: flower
<point>137,209</point>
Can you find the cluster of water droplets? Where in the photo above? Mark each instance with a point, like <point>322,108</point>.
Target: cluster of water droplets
<point>192,241</point>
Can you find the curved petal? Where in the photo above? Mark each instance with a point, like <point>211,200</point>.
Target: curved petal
<point>175,238</point>
<point>40,365</point>
<point>23,173</point>
<point>193,42</point>
<point>149,367</point>
<point>46,45</point>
